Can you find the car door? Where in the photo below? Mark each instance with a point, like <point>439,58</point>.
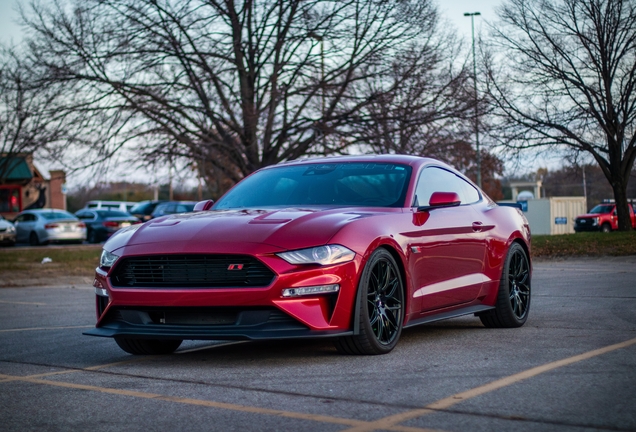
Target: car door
<point>24,224</point>
<point>446,247</point>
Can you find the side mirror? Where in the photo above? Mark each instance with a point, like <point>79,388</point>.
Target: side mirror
<point>441,199</point>
<point>203,205</point>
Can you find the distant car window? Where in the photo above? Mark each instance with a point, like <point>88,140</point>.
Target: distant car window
<point>85,215</point>
<point>184,208</point>
<point>600,209</point>
<point>112,213</point>
<point>56,215</point>
<point>434,179</point>
<point>27,217</point>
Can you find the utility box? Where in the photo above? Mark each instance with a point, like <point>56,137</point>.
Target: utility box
<point>554,215</point>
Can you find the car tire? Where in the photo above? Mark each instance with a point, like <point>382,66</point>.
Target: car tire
<point>606,228</point>
<point>92,237</point>
<point>513,299</point>
<point>33,239</point>
<point>380,308</point>
<point>147,346</point>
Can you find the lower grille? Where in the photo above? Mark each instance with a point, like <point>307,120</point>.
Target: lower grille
<point>191,271</point>
<point>204,317</point>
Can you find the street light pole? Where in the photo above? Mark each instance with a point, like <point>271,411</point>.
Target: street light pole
<point>472,16</point>
<point>322,76</point>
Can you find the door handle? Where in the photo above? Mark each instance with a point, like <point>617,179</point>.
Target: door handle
<point>478,226</point>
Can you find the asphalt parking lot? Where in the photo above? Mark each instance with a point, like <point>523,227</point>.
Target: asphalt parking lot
<point>572,367</point>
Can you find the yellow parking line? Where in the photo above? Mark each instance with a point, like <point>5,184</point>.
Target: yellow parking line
<point>209,404</point>
<point>45,328</point>
<point>391,421</point>
<point>386,423</point>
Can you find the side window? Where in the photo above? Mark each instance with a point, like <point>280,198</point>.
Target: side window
<point>470,193</point>
<point>435,179</point>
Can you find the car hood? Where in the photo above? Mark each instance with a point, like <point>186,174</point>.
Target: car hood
<point>5,224</point>
<point>221,230</point>
<point>590,215</point>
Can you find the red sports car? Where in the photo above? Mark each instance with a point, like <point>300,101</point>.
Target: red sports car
<point>352,248</point>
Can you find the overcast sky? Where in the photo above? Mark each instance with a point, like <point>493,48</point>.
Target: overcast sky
<point>453,10</point>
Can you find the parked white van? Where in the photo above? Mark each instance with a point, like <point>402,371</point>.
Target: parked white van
<point>110,205</point>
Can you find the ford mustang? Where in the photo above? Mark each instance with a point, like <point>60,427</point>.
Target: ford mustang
<point>352,248</point>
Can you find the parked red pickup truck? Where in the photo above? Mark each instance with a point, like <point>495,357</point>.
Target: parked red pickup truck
<point>601,218</point>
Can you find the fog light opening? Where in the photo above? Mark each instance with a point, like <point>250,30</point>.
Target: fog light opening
<point>312,290</point>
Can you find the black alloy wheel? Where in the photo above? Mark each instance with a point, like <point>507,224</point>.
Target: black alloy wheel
<point>513,300</point>
<point>606,228</point>
<point>381,308</point>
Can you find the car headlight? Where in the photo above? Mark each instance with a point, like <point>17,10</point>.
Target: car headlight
<point>595,221</point>
<point>323,255</point>
<point>11,229</point>
<point>108,259</point>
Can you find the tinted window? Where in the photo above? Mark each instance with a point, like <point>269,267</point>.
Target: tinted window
<point>111,213</point>
<point>333,184</point>
<point>599,209</point>
<point>142,207</point>
<point>25,218</point>
<point>435,179</point>
<point>184,208</point>
<point>57,215</point>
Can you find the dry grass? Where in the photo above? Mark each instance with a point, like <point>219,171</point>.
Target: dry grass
<point>76,264</point>
<point>592,244</point>
<point>23,266</point>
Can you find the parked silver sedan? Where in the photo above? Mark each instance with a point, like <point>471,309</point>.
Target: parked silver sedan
<point>43,226</point>
<point>7,232</point>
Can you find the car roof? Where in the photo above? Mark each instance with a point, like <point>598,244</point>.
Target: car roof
<point>45,210</point>
<point>376,158</point>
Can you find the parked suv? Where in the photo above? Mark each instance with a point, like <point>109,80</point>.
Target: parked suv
<point>109,205</point>
<point>601,218</point>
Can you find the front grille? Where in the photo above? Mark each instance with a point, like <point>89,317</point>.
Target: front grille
<point>191,271</point>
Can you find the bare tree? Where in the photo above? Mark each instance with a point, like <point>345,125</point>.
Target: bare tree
<point>568,79</point>
<point>27,122</point>
<point>40,113</point>
<point>232,86</point>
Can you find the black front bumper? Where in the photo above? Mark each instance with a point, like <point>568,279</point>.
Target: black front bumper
<point>204,324</point>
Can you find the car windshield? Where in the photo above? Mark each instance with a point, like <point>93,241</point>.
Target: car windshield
<point>57,215</point>
<point>599,209</point>
<point>141,207</point>
<point>332,184</point>
<point>111,213</point>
